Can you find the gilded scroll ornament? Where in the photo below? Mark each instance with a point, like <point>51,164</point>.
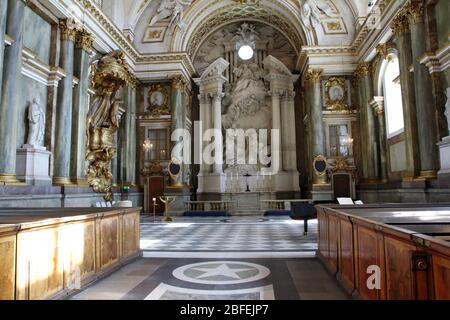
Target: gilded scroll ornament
<point>110,74</point>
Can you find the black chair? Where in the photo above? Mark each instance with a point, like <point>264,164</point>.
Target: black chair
<point>303,211</point>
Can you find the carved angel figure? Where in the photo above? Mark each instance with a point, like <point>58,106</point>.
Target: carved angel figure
<point>311,10</point>
<point>170,8</point>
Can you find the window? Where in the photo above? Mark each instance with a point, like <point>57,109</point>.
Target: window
<point>393,98</point>
<point>158,138</point>
<point>338,137</point>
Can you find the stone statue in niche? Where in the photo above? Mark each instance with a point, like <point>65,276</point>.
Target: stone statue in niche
<point>171,8</point>
<point>36,120</point>
<point>447,109</point>
<point>311,11</point>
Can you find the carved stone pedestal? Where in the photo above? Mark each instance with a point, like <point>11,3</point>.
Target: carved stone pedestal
<point>444,151</point>
<point>33,165</point>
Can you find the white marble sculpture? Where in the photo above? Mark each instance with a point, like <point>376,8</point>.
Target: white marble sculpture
<point>447,109</point>
<point>171,8</point>
<point>311,11</point>
<point>36,120</point>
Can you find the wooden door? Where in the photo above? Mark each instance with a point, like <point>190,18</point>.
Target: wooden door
<point>342,186</point>
<point>156,190</point>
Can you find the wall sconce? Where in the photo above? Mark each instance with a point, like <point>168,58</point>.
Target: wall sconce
<point>348,141</point>
<point>148,145</point>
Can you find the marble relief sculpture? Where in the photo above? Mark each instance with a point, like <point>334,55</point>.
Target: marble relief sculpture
<point>173,9</point>
<point>311,11</point>
<point>36,120</point>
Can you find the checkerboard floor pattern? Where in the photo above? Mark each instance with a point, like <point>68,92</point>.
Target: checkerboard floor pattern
<point>276,236</point>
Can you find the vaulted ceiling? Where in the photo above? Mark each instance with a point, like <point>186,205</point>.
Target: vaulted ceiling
<point>204,17</point>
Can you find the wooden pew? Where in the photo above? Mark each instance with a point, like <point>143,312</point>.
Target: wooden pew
<point>413,265</point>
<point>54,248</point>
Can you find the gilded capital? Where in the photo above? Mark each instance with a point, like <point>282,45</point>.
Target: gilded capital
<point>383,50</point>
<point>178,82</point>
<point>68,29</point>
<point>415,11</point>
<point>364,70</point>
<point>313,76</point>
<point>84,40</point>
<point>400,24</point>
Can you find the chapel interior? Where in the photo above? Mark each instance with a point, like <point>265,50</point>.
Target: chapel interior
<point>225,149</point>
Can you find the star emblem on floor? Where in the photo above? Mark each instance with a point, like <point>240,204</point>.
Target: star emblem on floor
<point>222,270</point>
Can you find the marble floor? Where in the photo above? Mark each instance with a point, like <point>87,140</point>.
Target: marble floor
<point>221,259</point>
<point>215,279</point>
<point>228,237</point>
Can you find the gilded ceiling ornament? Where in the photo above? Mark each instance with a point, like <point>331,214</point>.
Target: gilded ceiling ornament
<point>110,74</point>
<point>336,94</point>
<point>248,2</point>
<point>158,98</point>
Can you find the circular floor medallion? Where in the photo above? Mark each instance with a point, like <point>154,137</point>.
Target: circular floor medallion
<point>221,272</point>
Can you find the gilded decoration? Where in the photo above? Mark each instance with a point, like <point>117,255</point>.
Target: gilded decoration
<point>383,50</point>
<point>313,76</point>
<point>364,70</point>
<point>69,29</point>
<point>415,11</point>
<point>400,24</point>
<point>109,74</point>
<point>158,100</point>
<point>84,40</point>
<point>341,164</point>
<point>320,165</point>
<point>336,93</point>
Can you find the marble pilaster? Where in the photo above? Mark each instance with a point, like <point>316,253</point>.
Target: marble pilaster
<point>378,106</point>
<point>12,67</point>
<point>177,117</point>
<point>276,123</point>
<point>426,123</point>
<point>84,42</point>
<point>64,105</point>
<point>400,27</point>
<point>218,143</point>
<point>128,137</point>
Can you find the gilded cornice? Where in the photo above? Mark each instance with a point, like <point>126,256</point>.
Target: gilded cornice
<point>415,11</point>
<point>313,76</point>
<point>69,29</point>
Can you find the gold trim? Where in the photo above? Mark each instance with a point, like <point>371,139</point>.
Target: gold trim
<point>62,181</point>
<point>428,174</point>
<point>7,178</point>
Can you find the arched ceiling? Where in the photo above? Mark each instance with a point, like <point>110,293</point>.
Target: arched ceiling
<point>203,17</point>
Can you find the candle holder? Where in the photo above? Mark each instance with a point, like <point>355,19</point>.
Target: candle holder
<point>247,176</point>
<point>154,210</point>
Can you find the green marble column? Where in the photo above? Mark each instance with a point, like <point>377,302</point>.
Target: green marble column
<point>127,139</point>
<point>3,11</point>
<point>64,110</point>
<point>83,45</point>
<point>400,27</point>
<point>133,140</point>
<point>426,123</point>
<point>317,132</point>
<point>378,107</point>
<point>368,123</point>
<point>12,68</point>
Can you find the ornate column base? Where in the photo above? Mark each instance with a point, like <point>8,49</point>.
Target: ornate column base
<point>80,182</point>
<point>428,174</point>
<point>9,179</point>
<point>62,181</point>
